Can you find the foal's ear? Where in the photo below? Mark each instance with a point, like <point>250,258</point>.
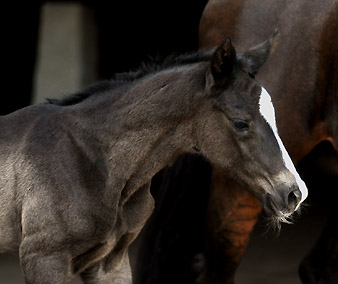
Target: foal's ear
<point>223,61</point>
<point>253,59</point>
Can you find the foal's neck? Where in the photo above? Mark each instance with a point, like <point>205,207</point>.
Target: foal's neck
<point>150,125</point>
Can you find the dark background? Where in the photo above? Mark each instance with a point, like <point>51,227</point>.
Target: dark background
<point>129,32</point>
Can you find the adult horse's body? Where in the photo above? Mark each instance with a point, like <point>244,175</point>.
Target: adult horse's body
<point>302,77</point>
<point>75,174</point>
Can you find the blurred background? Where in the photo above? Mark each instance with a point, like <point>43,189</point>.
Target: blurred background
<point>54,48</point>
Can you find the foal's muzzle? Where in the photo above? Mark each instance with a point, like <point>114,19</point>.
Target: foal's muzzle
<point>283,201</point>
<point>293,199</point>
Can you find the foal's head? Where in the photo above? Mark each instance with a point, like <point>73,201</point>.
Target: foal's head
<point>241,133</point>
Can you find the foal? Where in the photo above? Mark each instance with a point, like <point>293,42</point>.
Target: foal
<point>75,174</point>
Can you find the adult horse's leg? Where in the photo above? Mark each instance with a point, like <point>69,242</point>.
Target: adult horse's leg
<point>175,234</point>
<point>321,264</point>
<point>232,214</point>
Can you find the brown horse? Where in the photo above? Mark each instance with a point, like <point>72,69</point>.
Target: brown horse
<point>302,77</point>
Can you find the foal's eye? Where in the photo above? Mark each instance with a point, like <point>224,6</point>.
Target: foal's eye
<point>240,125</point>
<point>252,75</point>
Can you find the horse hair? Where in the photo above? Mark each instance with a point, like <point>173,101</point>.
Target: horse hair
<point>155,64</point>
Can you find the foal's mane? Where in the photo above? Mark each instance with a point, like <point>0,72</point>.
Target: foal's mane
<point>121,79</point>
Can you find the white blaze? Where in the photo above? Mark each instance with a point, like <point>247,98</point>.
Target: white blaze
<point>268,112</point>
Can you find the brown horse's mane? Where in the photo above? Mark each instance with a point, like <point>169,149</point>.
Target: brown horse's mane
<point>122,79</point>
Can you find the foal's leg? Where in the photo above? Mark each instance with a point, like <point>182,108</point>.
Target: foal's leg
<point>232,214</point>
<point>99,274</point>
<point>115,268</point>
<point>40,267</point>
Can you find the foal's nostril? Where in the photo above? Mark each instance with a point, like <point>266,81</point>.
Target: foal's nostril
<point>294,198</point>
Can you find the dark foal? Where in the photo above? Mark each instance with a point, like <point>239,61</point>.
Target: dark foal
<point>75,174</point>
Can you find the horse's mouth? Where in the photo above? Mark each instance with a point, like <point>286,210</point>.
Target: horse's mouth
<point>279,212</point>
